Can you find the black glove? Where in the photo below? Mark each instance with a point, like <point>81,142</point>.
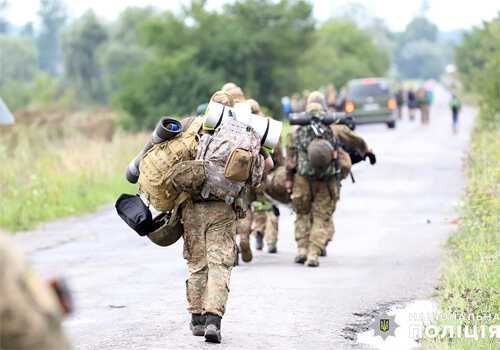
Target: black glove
<point>276,210</point>
<point>371,157</point>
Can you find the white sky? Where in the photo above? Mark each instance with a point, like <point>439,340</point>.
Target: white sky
<point>447,14</point>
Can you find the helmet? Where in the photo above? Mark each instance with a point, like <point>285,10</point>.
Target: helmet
<point>228,86</point>
<point>223,97</point>
<point>254,106</point>
<point>237,94</point>
<point>316,97</point>
<point>167,234</point>
<point>314,108</point>
<point>319,153</point>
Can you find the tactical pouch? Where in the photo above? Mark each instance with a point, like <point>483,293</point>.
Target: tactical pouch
<point>135,213</point>
<point>239,165</point>
<point>188,176</point>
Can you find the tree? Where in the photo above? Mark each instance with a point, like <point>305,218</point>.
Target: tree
<point>52,15</point>
<point>420,60</point>
<point>255,43</point>
<point>4,24</point>
<point>420,28</point>
<point>80,46</point>
<point>123,49</point>
<point>17,59</point>
<point>340,53</point>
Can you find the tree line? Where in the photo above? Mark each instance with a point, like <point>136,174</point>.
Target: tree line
<point>149,63</point>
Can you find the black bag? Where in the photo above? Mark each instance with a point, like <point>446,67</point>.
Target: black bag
<point>135,213</point>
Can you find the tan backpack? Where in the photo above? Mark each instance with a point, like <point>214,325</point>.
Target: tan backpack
<point>231,160</point>
<point>159,164</point>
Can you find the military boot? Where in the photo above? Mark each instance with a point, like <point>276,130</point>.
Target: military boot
<point>323,252</point>
<point>301,256</point>
<point>212,329</point>
<point>259,241</point>
<point>246,251</point>
<point>271,248</point>
<point>197,324</point>
<point>312,261</point>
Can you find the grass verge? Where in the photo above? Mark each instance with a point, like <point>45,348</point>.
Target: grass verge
<point>471,274</point>
<point>48,174</point>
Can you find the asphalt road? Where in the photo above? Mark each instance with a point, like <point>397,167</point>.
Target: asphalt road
<point>390,229</point>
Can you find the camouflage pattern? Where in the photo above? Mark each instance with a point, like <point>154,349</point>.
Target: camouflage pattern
<point>314,203</point>
<point>266,222</point>
<point>304,136</point>
<point>210,251</point>
<point>30,316</point>
<point>243,226</point>
<point>157,166</point>
<point>216,150</point>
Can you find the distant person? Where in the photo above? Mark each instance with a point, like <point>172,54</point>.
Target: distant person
<point>412,104</point>
<point>286,105</point>
<point>423,104</point>
<point>331,97</point>
<point>296,103</point>
<point>455,106</point>
<point>400,101</point>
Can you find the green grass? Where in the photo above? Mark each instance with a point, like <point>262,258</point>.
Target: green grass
<point>471,274</point>
<point>48,175</point>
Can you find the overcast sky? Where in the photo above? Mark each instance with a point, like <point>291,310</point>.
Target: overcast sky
<point>447,14</point>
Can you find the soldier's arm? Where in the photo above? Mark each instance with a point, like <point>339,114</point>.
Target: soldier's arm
<point>350,138</point>
<point>278,155</point>
<point>291,154</point>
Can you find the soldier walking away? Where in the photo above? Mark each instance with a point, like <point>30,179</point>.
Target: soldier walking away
<point>412,104</point>
<point>400,101</point>
<point>455,106</point>
<point>314,171</point>
<point>30,314</point>
<point>423,103</point>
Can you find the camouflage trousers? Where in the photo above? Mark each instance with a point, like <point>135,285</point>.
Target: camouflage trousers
<point>314,203</point>
<point>266,222</point>
<point>244,226</point>
<point>210,251</point>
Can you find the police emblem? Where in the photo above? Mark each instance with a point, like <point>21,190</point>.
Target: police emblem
<point>384,326</point>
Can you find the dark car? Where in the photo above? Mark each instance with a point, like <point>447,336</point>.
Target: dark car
<point>370,100</point>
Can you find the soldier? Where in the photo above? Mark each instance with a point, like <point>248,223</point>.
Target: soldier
<point>210,251</point>
<point>265,215</point>
<point>314,199</point>
<point>423,104</point>
<point>30,315</point>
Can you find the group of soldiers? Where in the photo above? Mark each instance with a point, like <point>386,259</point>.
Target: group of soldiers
<point>419,99</point>
<point>210,224</point>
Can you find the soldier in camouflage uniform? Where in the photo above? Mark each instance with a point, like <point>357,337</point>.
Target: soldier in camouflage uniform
<point>30,316</point>
<point>314,201</point>
<point>265,215</point>
<point>210,251</point>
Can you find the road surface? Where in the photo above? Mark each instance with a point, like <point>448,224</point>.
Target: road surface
<point>390,230</point>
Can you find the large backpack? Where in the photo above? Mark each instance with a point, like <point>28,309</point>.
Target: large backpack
<point>159,164</point>
<point>304,136</point>
<point>231,160</point>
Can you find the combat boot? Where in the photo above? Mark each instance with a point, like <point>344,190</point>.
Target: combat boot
<point>259,241</point>
<point>301,256</point>
<point>323,252</point>
<point>312,261</point>
<point>246,251</point>
<point>197,324</point>
<point>212,329</point>
<point>271,248</point>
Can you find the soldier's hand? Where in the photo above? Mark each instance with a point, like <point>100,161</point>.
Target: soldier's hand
<point>276,210</point>
<point>289,186</point>
<point>371,156</point>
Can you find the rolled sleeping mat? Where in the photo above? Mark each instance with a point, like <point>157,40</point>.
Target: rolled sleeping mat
<point>166,129</point>
<point>243,113</point>
<point>268,129</point>
<point>215,114</point>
